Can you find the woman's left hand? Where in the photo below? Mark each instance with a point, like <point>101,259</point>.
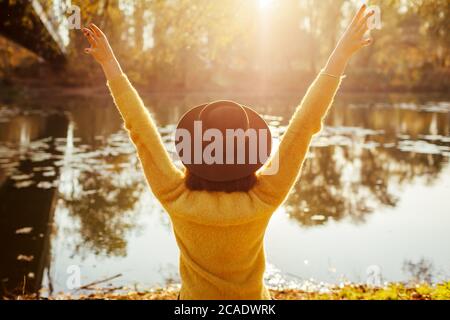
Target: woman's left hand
<point>353,38</point>
<point>351,42</point>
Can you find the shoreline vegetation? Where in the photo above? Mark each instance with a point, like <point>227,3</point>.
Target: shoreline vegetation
<point>95,83</point>
<point>224,51</point>
<point>37,88</point>
<point>390,291</point>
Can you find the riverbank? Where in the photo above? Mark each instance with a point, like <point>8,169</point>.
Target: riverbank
<point>392,291</point>
<point>59,86</point>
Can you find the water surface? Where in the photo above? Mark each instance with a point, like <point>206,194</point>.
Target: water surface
<point>372,204</point>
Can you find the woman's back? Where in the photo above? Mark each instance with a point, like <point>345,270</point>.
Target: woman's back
<point>220,236</point>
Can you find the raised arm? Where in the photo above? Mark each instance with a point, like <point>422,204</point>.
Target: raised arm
<point>161,174</point>
<point>273,187</point>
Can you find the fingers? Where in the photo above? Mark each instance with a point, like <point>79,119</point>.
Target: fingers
<point>90,37</point>
<point>361,30</point>
<point>366,42</point>
<point>89,50</point>
<point>359,15</point>
<point>96,30</point>
<point>362,25</point>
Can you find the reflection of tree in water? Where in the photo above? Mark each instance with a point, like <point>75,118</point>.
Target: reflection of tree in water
<point>354,173</point>
<point>106,213</point>
<point>320,191</point>
<point>103,190</point>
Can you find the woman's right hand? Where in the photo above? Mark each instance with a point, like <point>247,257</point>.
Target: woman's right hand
<point>101,51</point>
<point>100,48</point>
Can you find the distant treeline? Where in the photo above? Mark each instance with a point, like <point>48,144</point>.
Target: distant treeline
<point>243,45</point>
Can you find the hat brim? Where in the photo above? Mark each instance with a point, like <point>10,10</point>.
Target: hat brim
<point>224,172</point>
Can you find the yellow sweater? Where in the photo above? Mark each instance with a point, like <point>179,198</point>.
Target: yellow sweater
<point>221,235</point>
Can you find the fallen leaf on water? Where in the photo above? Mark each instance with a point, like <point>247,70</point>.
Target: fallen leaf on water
<point>19,177</point>
<point>318,217</point>
<point>25,230</point>
<point>22,257</point>
<point>24,184</point>
<point>49,173</point>
<point>45,185</point>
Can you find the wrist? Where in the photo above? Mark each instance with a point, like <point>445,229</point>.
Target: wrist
<point>337,63</point>
<point>340,56</point>
<point>109,63</point>
<point>111,68</point>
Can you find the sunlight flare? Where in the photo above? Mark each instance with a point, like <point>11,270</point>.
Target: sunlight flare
<point>265,4</point>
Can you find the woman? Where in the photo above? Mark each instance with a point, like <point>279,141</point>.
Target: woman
<point>219,223</point>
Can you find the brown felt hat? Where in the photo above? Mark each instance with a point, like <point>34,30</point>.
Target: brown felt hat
<point>211,145</point>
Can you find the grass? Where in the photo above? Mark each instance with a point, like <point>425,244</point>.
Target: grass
<point>392,291</point>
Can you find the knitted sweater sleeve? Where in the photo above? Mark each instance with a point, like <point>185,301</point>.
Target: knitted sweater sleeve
<point>278,176</point>
<point>161,174</point>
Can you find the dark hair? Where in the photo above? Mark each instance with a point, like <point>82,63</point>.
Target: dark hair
<point>195,183</point>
